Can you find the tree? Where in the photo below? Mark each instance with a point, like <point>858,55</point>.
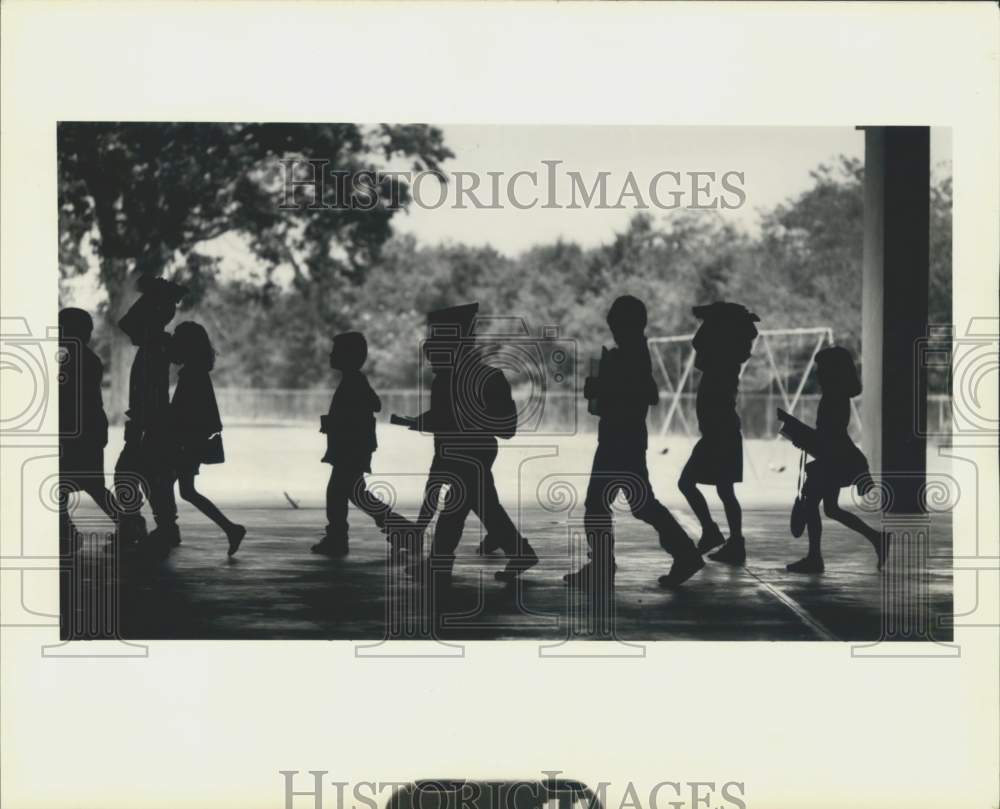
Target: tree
<point>806,267</point>
<point>145,196</point>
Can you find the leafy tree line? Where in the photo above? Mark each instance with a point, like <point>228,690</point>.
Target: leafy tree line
<point>803,268</point>
<point>148,198</point>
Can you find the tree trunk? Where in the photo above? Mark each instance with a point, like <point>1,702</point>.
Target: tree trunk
<point>120,297</point>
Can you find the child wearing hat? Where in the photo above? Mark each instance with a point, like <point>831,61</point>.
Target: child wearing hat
<point>722,344</point>
<point>144,466</point>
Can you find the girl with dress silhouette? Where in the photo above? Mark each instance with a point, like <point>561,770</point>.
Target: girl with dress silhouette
<point>838,461</point>
<point>195,420</point>
<point>722,344</point>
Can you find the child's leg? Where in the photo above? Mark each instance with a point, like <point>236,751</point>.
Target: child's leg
<point>104,498</point>
<point>67,531</point>
<point>429,505</point>
<point>359,495</point>
<point>814,528</point>
<point>202,503</point>
<point>337,492</point>
<point>814,490</point>
<point>130,486</point>
<point>711,536</point>
<point>833,510</point>
<point>696,499</point>
<point>644,506</point>
<point>734,550</point>
<point>734,514</point>
<point>597,519</point>
<point>673,539</point>
<point>812,562</point>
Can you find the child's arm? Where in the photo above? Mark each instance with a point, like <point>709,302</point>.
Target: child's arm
<point>801,435</point>
<point>373,401</point>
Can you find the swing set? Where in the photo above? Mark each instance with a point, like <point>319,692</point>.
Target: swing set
<point>770,340</point>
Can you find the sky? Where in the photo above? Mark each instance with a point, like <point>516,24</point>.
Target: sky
<point>775,164</point>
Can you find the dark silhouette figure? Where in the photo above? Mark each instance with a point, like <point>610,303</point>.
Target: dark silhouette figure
<point>148,447</point>
<point>838,461</point>
<point>83,425</point>
<point>350,442</point>
<point>722,344</point>
<point>438,479</point>
<point>622,394</point>
<point>195,422</point>
<point>470,407</point>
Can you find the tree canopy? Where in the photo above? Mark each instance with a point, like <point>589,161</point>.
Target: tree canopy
<point>147,197</point>
<point>349,271</point>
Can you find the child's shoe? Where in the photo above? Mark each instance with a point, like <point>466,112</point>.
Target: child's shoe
<point>734,552</point>
<point>681,570</point>
<point>488,546</point>
<point>591,576</point>
<point>131,529</point>
<point>808,564</point>
<point>168,535</point>
<point>710,538</point>
<point>516,565</point>
<point>402,534</point>
<point>235,537</point>
<point>329,546</point>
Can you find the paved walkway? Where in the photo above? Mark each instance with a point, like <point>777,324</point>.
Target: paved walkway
<point>276,589</point>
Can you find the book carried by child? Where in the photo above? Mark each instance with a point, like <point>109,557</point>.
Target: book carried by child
<point>801,435</point>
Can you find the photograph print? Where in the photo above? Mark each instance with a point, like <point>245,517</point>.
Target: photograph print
<point>564,383</point>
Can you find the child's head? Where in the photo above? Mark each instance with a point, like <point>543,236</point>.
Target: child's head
<point>627,319</point>
<point>191,347</point>
<point>449,333</point>
<point>726,335</point>
<point>836,372</point>
<point>349,352</point>
<point>75,324</point>
<point>154,309</point>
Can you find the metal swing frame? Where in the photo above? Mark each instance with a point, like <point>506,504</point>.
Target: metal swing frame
<point>823,335</point>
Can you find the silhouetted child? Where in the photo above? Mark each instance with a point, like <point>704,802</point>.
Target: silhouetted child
<point>471,407</point>
<point>624,390</point>
<point>438,477</point>
<point>838,461</point>
<point>144,466</point>
<point>196,424</point>
<point>350,442</point>
<point>83,426</point>
<point>722,344</point>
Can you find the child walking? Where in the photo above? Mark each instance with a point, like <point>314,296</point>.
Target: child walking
<point>145,466</point>
<point>722,344</point>
<point>838,461</point>
<point>196,422</point>
<point>350,441</point>
<point>83,425</point>
<point>624,390</point>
